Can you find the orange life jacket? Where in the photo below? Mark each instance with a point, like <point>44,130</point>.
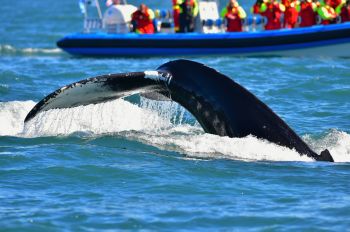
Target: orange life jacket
<point>144,23</point>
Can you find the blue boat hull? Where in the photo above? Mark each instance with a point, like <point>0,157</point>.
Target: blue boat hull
<point>330,40</point>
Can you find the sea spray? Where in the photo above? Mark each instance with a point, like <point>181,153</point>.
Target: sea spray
<point>161,124</point>
<point>12,115</point>
<point>110,117</point>
<point>337,142</point>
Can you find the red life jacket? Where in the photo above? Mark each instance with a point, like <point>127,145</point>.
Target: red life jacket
<point>234,22</point>
<point>144,24</point>
<point>256,9</point>
<point>345,14</point>
<point>176,13</point>
<point>307,14</point>
<point>273,15</point>
<point>335,3</point>
<point>290,17</point>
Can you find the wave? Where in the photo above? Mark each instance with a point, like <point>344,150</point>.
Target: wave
<point>165,125</point>
<point>8,49</point>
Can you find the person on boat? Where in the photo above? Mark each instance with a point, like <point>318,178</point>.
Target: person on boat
<point>233,13</point>
<point>326,13</point>
<point>176,16</point>
<point>343,11</point>
<point>188,11</point>
<point>290,13</point>
<point>307,13</point>
<point>270,9</point>
<point>142,20</point>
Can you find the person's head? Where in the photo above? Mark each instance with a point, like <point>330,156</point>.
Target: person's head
<point>143,8</point>
<point>116,2</point>
<point>231,3</point>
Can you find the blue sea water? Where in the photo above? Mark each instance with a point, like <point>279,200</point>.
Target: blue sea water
<point>149,166</point>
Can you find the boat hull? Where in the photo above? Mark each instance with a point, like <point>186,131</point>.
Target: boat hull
<point>330,40</point>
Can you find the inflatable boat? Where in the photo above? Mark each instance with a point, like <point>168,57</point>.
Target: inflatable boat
<point>321,40</point>
<point>108,35</point>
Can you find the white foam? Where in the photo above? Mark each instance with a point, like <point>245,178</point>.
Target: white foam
<point>249,148</point>
<point>12,115</point>
<point>154,123</point>
<point>110,117</point>
<point>337,142</point>
<point>8,49</point>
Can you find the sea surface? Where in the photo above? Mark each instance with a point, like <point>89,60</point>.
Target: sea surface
<point>137,164</point>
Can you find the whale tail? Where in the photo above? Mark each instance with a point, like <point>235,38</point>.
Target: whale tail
<point>325,156</point>
<point>220,105</point>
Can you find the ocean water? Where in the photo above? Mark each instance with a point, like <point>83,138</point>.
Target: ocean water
<point>137,164</point>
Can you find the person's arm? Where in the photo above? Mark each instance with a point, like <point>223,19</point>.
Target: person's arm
<point>263,7</point>
<point>281,7</point>
<point>338,9</point>
<point>325,14</point>
<point>195,8</point>
<point>223,12</point>
<point>150,14</point>
<point>241,13</point>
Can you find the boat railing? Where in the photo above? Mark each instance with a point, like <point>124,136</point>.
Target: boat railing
<point>92,24</point>
<point>117,28</point>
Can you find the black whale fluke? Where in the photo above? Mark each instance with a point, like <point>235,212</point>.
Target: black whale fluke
<point>220,105</point>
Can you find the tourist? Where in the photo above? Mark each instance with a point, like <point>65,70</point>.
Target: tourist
<point>142,20</point>
<point>188,12</point>
<point>233,14</point>
<point>272,10</point>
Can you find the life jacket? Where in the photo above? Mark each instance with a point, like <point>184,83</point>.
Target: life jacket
<point>176,13</point>
<point>335,3</point>
<point>234,16</point>
<point>143,21</point>
<point>344,12</point>
<point>307,14</point>
<point>290,14</point>
<point>273,11</point>
<point>327,14</point>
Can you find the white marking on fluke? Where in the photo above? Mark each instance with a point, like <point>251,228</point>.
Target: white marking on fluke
<point>154,75</point>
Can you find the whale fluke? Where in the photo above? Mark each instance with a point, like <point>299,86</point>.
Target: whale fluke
<point>220,105</point>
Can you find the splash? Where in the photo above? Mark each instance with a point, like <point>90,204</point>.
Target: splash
<point>165,125</point>
<point>210,146</point>
<point>12,115</point>
<point>106,118</point>
<point>337,142</point>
